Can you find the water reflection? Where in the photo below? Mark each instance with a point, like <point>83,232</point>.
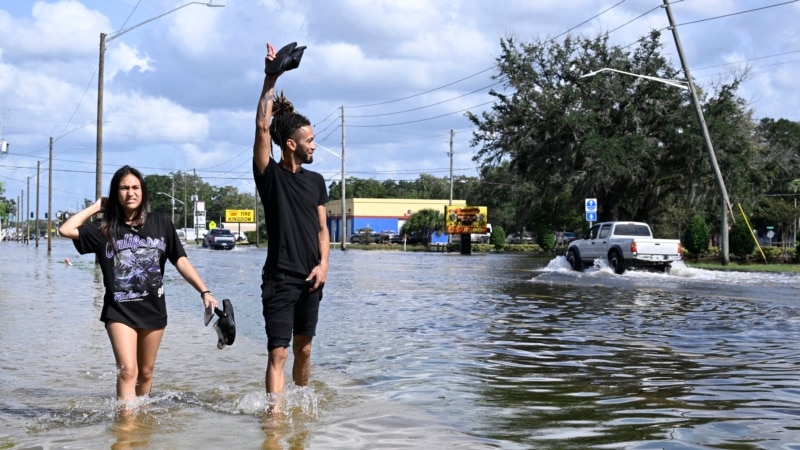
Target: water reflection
<point>133,431</point>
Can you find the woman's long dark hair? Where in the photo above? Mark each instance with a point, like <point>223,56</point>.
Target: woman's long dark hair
<point>113,214</point>
<point>285,121</point>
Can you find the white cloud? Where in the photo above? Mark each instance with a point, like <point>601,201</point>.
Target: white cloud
<point>59,30</point>
<point>194,31</point>
<point>124,58</point>
<point>131,117</point>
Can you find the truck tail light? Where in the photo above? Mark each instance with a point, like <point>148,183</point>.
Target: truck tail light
<point>680,248</point>
<point>633,247</point>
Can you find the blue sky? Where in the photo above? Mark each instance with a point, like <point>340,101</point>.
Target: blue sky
<point>180,91</point>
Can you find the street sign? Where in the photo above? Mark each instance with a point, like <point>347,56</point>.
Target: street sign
<point>240,215</point>
<point>591,209</point>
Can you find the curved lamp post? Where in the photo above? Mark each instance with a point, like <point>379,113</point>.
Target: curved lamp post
<point>173,209</point>
<point>100,79</point>
<point>173,203</point>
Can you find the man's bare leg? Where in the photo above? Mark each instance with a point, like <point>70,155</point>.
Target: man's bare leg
<point>301,370</point>
<point>275,378</point>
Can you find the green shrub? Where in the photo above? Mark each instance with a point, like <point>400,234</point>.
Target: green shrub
<point>740,240</point>
<point>498,238</point>
<point>695,239</point>
<point>546,240</point>
<point>522,248</point>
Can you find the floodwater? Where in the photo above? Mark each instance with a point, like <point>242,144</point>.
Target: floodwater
<point>416,350</point>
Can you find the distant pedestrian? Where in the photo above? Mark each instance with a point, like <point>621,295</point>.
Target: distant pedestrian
<point>294,207</point>
<point>132,246</point>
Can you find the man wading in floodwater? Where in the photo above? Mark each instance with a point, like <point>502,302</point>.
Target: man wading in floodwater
<point>294,207</point>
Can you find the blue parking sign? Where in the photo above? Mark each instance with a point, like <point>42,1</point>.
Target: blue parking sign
<point>591,217</point>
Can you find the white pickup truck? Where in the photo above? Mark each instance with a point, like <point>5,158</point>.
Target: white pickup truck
<point>624,245</point>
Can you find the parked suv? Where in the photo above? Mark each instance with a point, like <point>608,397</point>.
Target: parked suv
<point>219,238</point>
<point>565,237</point>
<point>411,239</point>
<point>525,237</point>
<point>365,237</point>
<point>387,235</point>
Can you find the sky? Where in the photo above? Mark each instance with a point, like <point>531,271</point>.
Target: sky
<point>390,79</point>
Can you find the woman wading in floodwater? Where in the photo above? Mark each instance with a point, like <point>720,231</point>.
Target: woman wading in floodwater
<point>132,246</point>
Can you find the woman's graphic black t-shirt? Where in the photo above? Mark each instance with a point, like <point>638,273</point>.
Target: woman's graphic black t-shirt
<point>133,269</point>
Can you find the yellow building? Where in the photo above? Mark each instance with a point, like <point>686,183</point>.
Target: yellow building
<point>379,214</point>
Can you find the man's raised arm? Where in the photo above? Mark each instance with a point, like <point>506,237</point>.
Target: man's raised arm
<point>262,145</point>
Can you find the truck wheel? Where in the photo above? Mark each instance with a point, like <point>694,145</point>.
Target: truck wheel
<point>616,262</point>
<point>574,260</point>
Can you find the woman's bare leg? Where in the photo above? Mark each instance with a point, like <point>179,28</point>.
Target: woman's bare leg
<point>124,343</point>
<point>135,352</point>
<point>148,344</point>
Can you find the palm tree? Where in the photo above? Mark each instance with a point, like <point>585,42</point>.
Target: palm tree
<point>425,222</point>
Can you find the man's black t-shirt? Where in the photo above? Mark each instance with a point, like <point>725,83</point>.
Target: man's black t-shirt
<point>133,269</point>
<point>290,207</point>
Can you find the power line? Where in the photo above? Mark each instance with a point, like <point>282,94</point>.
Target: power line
<point>481,71</point>
<point>349,116</point>
<point>735,14</point>
<point>721,16</point>
<point>751,59</point>
<point>587,20</point>
<point>419,120</point>
<point>425,92</point>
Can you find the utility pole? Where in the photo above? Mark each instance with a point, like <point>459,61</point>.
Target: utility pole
<point>38,170</point>
<point>451,166</point>
<point>194,197</point>
<point>50,199</point>
<point>173,199</point>
<point>450,154</point>
<point>185,207</point>
<point>28,214</point>
<point>255,214</point>
<point>344,205</point>
<point>723,193</point>
<point>98,181</point>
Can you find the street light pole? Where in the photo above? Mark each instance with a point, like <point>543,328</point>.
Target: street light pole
<point>343,229</point>
<point>676,83</point>
<point>98,185</point>
<point>173,210</point>
<point>173,204</point>
<point>104,39</point>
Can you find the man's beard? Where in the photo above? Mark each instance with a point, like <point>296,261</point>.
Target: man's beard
<point>306,157</point>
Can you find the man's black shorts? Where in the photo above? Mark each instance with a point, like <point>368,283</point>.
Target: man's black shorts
<point>288,307</point>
